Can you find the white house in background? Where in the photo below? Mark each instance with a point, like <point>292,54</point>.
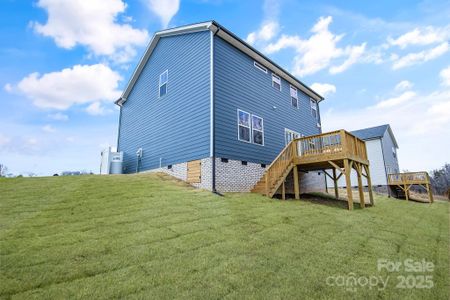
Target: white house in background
<point>382,154</point>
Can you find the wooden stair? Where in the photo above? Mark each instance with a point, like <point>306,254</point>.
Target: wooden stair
<point>260,186</point>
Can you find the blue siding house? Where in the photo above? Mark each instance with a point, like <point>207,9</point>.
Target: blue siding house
<point>206,107</point>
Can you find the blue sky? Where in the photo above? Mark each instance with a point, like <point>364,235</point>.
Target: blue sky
<point>63,63</point>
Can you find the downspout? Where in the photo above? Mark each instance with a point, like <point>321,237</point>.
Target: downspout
<point>213,127</point>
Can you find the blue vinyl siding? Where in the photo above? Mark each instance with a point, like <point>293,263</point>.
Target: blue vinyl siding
<point>240,85</point>
<point>176,127</point>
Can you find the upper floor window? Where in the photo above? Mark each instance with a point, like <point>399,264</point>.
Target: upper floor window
<point>394,153</point>
<point>294,97</point>
<point>243,126</point>
<point>163,80</point>
<point>314,109</point>
<point>276,82</point>
<point>260,67</point>
<point>257,130</point>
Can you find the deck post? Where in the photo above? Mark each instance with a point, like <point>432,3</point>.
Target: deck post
<point>296,183</point>
<point>406,192</point>
<point>369,185</point>
<point>430,194</point>
<point>267,183</point>
<point>283,190</point>
<point>336,190</point>
<point>348,182</point>
<point>360,186</point>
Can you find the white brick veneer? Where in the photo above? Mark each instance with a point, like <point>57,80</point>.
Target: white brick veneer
<point>233,176</point>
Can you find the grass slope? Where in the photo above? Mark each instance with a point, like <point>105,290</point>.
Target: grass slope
<point>147,236</point>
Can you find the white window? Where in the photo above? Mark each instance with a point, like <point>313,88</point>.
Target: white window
<point>294,97</point>
<point>394,152</point>
<point>276,82</point>
<point>258,130</point>
<point>163,80</point>
<point>290,135</point>
<point>314,108</point>
<point>260,66</point>
<point>244,126</point>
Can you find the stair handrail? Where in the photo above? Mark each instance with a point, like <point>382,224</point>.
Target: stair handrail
<point>280,163</point>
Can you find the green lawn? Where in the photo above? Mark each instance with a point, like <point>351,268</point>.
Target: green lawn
<point>147,236</point>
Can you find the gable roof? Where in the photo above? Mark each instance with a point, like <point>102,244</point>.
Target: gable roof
<point>228,36</point>
<point>376,132</point>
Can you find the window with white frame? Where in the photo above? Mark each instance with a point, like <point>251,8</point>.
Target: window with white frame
<point>257,130</point>
<point>163,80</point>
<point>314,108</point>
<point>394,152</point>
<point>244,126</point>
<point>260,67</point>
<point>294,97</point>
<point>276,82</point>
<point>290,135</point>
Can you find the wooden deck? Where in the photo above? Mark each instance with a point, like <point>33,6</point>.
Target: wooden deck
<point>406,180</point>
<point>339,151</point>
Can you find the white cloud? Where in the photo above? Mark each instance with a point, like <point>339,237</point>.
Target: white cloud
<point>8,87</point>
<point>427,134</point>
<point>4,140</point>
<point>265,33</point>
<point>403,85</point>
<point>445,76</point>
<point>97,109</point>
<point>164,9</point>
<point>92,24</point>
<point>419,57</point>
<point>394,101</point>
<point>318,51</point>
<point>77,85</point>
<point>354,55</point>
<point>58,117</point>
<point>269,27</point>
<point>324,89</point>
<point>48,128</point>
<point>421,36</point>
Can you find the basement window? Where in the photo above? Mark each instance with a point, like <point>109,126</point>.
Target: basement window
<point>263,165</point>
<point>244,126</point>
<point>163,80</point>
<point>260,67</point>
<point>276,82</point>
<point>169,167</point>
<point>244,163</point>
<point>294,97</point>
<point>224,160</point>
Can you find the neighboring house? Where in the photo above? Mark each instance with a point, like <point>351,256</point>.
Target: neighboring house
<point>206,107</point>
<point>382,154</point>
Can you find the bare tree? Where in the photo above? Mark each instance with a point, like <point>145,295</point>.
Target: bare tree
<point>440,179</point>
<point>3,170</point>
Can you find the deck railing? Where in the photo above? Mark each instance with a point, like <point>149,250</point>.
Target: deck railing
<point>338,142</point>
<point>409,178</point>
<point>334,142</point>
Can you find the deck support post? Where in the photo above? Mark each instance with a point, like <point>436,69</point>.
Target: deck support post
<point>283,190</point>
<point>348,182</point>
<point>267,184</point>
<point>296,183</point>
<point>360,186</point>
<point>369,185</point>
<point>406,192</point>
<point>430,194</point>
<point>336,190</point>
